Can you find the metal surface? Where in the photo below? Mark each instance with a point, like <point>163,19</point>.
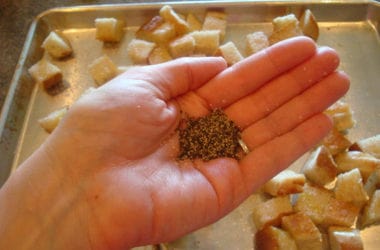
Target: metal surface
<point>15,18</point>
<point>351,27</point>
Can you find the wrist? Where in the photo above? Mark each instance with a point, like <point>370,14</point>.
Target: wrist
<point>36,207</point>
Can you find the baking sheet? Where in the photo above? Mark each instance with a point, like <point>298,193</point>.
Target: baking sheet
<point>351,27</point>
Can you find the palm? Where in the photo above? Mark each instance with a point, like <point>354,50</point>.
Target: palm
<point>136,179</point>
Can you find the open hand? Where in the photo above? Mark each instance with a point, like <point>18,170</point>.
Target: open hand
<point>115,181</point>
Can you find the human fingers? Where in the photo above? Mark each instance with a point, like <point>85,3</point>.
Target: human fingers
<point>267,160</point>
<point>251,73</point>
<point>281,89</point>
<point>313,101</point>
<point>179,76</point>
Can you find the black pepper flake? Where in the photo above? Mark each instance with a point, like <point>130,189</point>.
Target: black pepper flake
<point>209,137</point>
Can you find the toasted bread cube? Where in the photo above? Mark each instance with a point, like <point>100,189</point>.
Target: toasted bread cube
<point>163,34</point>
<point>206,42</point>
<point>340,213</point>
<point>145,31</point>
<point>336,142</point>
<point>46,73</point>
<point>343,122</point>
<point>57,45</point>
<point>270,212</point>
<point>320,205</point>
<point>284,27</point>
<point>320,167</point>
<point>303,231</point>
<point>181,26</point>
<point>286,182</point>
<point>349,187</point>
<point>271,238</point>
<point>109,29</point>
<point>342,116</point>
<point>309,25</point>
<point>325,239</point>
<point>156,30</point>
<point>216,20</point>
<point>102,70</point>
<point>343,238</point>
<point>372,183</point>
<point>182,46</point>
<point>371,213</point>
<point>159,55</point>
<point>193,22</point>
<point>230,53</point>
<point>51,121</point>
<point>369,145</point>
<point>366,163</point>
<point>256,41</point>
<point>139,50</point>
<point>312,201</point>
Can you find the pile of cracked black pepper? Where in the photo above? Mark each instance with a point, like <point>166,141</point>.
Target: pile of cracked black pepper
<point>209,137</point>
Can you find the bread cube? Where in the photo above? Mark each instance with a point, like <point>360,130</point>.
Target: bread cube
<point>57,45</point>
<point>286,182</point>
<point>371,213</point>
<point>339,213</point>
<point>181,26</point>
<point>230,53</point>
<point>145,30</point>
<point>109,29</point>
<point>159,55</point>
<point>256,41</point>
<point>284,27</point>
<point>303,231</point>
<point>102,70</point>
<point>342,115</point>
<point>366,163</point>
<point>216,20</point>
<point>349,187</point>
<point>206,41</point>
<point>325,239</point>
<point>320,167</point>
<point>45,73</point>
<point>312,202</point>
<point>271,238</point>
<point>270,212</point>
<point>309,25</point>
<point>336,142</point>
<point>163,34</point>
<point>323,208</point>
<point>193,22</point>
<point>51,121</point>
<point>369,145</point>
<point>139,50</point>
<point>156,30</point>
<point>182,46</point>
<point>343,238</point>
<point>372,183</point>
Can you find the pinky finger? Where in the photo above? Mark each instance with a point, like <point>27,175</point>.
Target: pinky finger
<point>269,159</point>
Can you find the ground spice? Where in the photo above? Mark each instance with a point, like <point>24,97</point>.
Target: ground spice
<point>209,137</point>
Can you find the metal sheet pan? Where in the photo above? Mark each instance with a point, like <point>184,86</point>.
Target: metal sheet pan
<point>351,27</point>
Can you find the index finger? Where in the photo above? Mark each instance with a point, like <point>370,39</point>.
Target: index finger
<point>177,77</point>
<point>251,73</point>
